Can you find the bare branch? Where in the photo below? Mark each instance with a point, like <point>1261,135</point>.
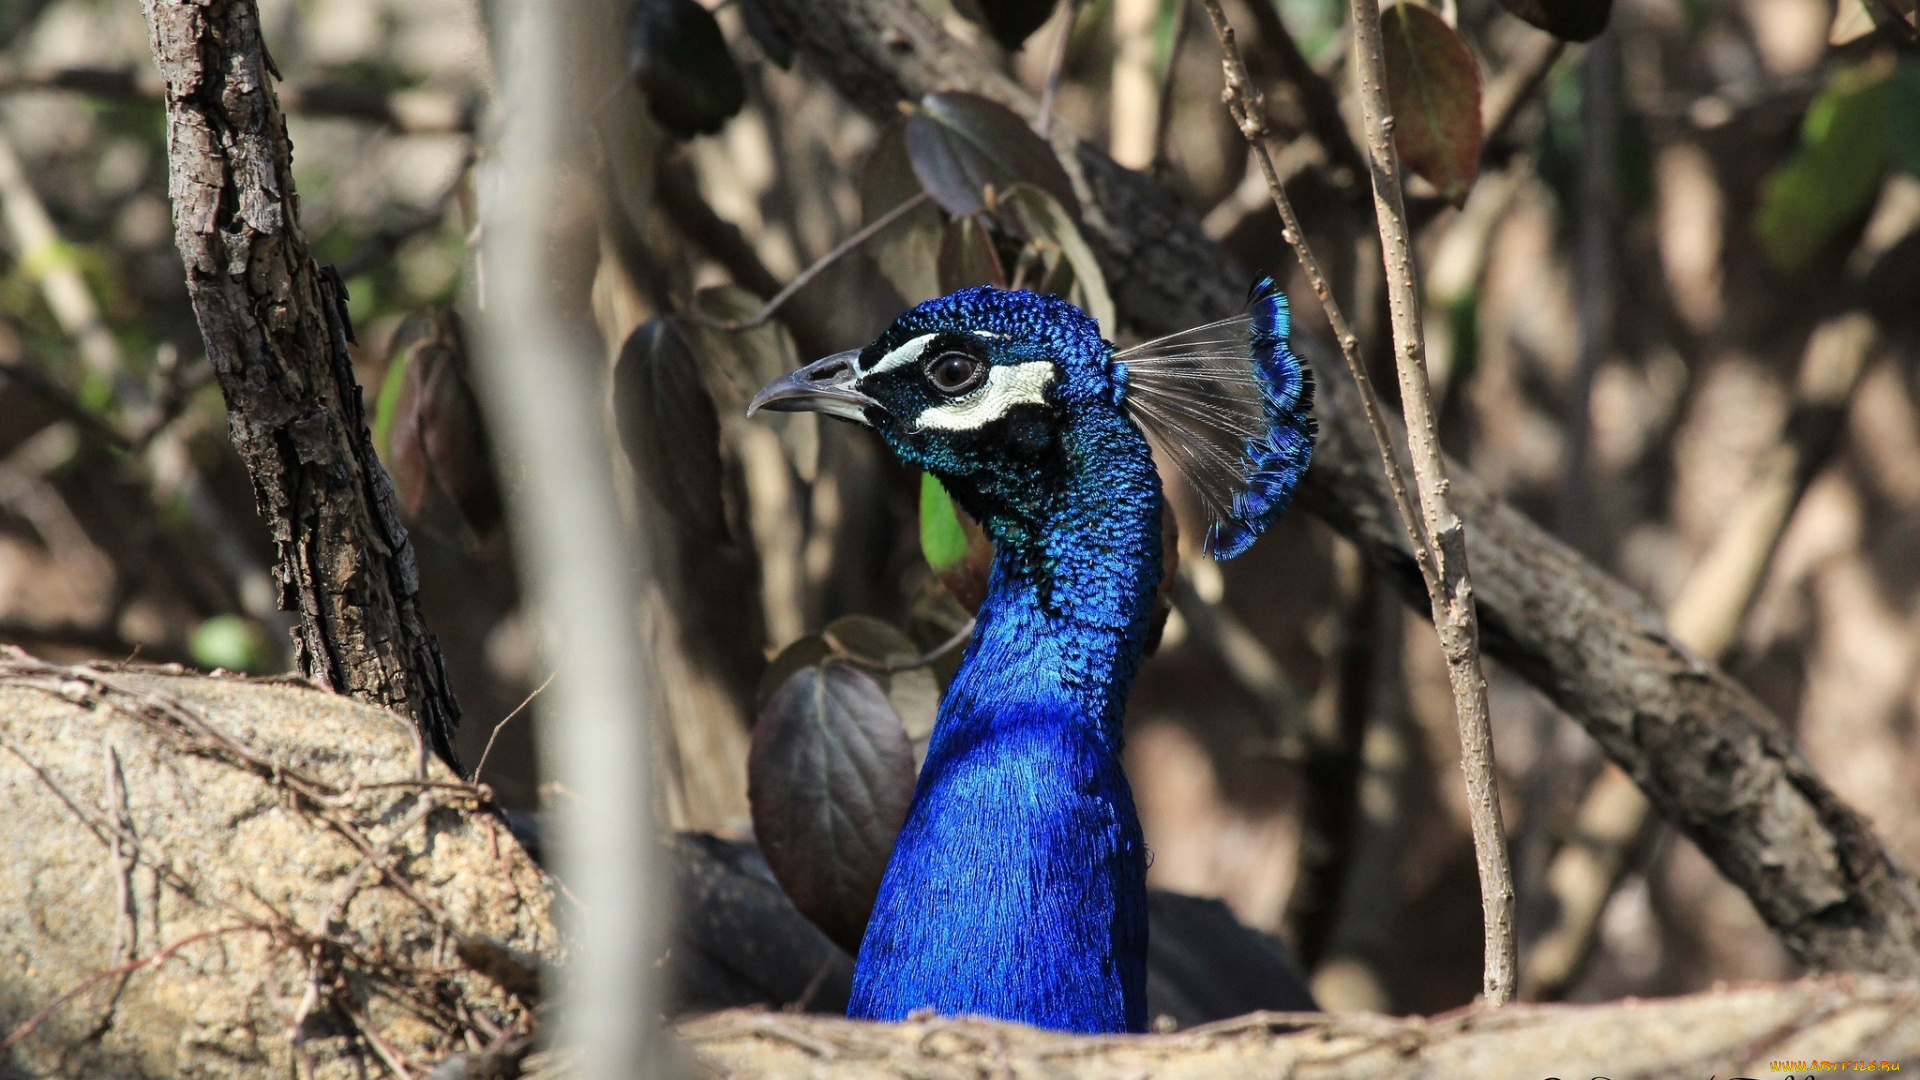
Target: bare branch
<point>411,112</point>
<point>800,280</point>
<point>1448,585</point>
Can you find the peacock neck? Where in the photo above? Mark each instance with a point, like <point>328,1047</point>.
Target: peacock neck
<point>1079,576</point>
<point>1017,888</point>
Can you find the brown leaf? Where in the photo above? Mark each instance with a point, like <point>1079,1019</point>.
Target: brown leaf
<point>829,777</point>
<point>437,440</point>
<point>1434,86</point>
<point>893,659</point>
<point>1011,22</point>
<point>908,250</point>
<point>669,428</point>
<point>961,143</point>
<point>1028,212</point>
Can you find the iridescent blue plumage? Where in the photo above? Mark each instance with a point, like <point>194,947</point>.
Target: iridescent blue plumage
<point>1017,888</point>
<point>1277,459</point>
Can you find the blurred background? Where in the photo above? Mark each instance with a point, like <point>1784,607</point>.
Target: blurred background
<point>1674,320</point>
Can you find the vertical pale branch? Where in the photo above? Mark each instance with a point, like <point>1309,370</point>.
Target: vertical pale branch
<point>544,392</point>
<point>1244,103</point>
<point>1448,585</point>
<point>1439,537</point>
<point>1132,125</point>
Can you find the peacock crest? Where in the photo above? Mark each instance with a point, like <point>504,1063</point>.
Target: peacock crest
<point>1228,405</point>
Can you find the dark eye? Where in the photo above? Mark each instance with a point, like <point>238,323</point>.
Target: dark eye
<point>955,373</point>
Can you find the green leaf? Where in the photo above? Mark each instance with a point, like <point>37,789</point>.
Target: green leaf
<point>1831,179</point>
<point>942,539</point>
<point>1433,84</point>
<point>388,403</point>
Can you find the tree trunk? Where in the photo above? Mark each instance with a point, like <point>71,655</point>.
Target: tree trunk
<point>1711,759</point>
<point>276,332</point>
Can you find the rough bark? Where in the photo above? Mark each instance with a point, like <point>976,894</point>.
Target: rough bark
<point>1713,761</point>
<point>276,332</point>
<point>224,878</point>
<point>1725,1032</point>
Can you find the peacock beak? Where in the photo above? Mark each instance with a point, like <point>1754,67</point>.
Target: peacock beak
<point>824,386</point>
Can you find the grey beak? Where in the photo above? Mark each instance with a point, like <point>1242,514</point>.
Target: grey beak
<point>824,386</point>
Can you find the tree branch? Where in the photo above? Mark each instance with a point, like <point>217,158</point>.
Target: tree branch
<point>1712,759</point>
<point>276,332</point>
<point>1706,615</point>
<point>1449,585</point>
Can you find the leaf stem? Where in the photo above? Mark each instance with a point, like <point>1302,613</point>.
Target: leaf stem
<point>888,667</point>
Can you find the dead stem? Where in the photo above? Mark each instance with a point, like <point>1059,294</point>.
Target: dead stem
<point>1449,587</point>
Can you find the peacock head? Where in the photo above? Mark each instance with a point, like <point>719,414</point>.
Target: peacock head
<point>979,387</point>
<point>975,383</point>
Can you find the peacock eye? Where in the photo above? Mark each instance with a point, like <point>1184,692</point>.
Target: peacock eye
<point>955,373</point>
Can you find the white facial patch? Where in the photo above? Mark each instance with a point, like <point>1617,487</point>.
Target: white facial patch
<point>901,356</point>
<point>1007,385</point>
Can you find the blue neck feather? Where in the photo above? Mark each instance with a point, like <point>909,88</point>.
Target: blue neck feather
<point>1017,888</point>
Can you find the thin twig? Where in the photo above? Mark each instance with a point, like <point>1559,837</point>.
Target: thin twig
<point>1515,88</point>
<point>409,112</point>
<point>801,279</point>
<point>926,659</point>
<point>1449,587</point>
<point>1055,66</point>
<point>517,709</point>
<point>389,1056</point>
<point>1244,104</point>
<point>1594,276</point>
<point>33,1022</point>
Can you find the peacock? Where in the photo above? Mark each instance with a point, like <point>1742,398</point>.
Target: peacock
<point>1017,887</point>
